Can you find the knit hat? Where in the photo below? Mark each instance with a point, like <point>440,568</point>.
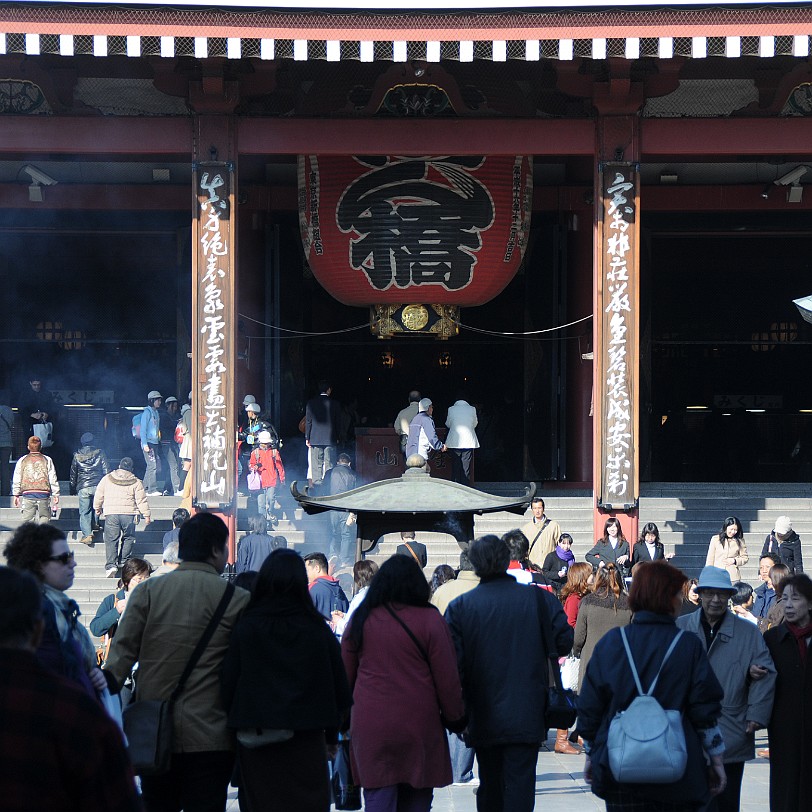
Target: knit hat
<point>86,438</point>
<point>264,437</point>
<point>170,399</point>
<point>424,404</point>
<point>783,525</point>
<point>253,407</point>
<point>715,578</point>
<point>248,399</point>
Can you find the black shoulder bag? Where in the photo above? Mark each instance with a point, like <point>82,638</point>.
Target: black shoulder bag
<point>148,723</point>
<point>561,710</point>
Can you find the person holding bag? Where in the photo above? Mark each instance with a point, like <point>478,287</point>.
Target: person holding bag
<point>266,461</point>
<point>686,683</point>
<point>285,692</point>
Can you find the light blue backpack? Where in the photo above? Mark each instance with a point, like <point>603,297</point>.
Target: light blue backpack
<point>646,743</point>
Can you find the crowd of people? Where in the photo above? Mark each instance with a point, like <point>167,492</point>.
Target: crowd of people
<point>408,678</point>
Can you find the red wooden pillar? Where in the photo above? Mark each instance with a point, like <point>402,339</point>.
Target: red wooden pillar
<point>214,301</point>
<point>616,307</point>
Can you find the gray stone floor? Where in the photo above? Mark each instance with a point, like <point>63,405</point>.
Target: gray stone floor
<point>560,787</point>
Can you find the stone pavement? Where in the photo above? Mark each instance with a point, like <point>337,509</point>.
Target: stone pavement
<point>560,787</point>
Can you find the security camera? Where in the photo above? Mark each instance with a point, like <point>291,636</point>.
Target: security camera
<point>793,176</point>
<point>39,177</point>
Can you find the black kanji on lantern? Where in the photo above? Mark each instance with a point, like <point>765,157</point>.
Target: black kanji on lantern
<point>418,220</point>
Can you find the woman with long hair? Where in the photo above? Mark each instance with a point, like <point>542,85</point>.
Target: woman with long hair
<point>727,549</point>
<point>686,683</point>
<point>442,574</point>
<point>605,608</point>
<point>779,573</point>
<point>285,692</point>
<point>579,578</point>
<point>790,727</point>
<point>112,607</point>
<point>363,572</point>
<point>402,669</point>
<point>611,549</point>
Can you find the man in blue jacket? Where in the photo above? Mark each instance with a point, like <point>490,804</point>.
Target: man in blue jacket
<point>151,441</point>
<point>500,630</point>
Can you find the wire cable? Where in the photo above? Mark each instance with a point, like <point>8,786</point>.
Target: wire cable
<point>526,334</point>
<point>304,332</point>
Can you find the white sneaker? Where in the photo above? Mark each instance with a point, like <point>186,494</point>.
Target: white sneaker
<point>112,572</point>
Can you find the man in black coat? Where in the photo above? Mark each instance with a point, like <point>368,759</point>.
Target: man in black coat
<point>342,478</point>
<point>322,422</point>
<point>501,628</point>
<point>88,466</point>
<point>412,548</point>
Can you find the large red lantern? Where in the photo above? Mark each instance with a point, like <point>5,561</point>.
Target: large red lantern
<point>446,230</point>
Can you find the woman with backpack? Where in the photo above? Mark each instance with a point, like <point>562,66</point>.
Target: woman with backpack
<point>266,462</point>
<point>685,684</point>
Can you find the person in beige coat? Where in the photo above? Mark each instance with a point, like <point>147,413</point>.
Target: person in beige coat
<point>542,532</point>
<point>119,498</point>
<point>164,620</point>
<point>727,550</point>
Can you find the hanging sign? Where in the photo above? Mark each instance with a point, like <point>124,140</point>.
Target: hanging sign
<point>213,454</point>
<point>393,230</point>
<point>617,328</point>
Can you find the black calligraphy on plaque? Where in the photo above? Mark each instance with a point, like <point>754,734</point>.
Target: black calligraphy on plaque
<point>418,221</point>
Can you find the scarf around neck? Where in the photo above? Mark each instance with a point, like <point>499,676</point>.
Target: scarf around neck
<point>801,633</point>
<point>67,622</point>
<point>565,555</point>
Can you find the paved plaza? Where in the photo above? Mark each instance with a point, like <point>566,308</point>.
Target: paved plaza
<point>560,787</point>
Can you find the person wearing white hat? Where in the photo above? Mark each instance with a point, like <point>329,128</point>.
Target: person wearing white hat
<point>785,542</point>
<point>423,437</point>
<point>266,462</point>
<point>743,665</point>
<point>150,438</point>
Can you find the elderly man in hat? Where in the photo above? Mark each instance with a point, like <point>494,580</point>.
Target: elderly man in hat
<point>88,466</point>
<point>742,664</point>
<point>423,437</point>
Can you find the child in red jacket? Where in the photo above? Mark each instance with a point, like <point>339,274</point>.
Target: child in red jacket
<point>267,461</point>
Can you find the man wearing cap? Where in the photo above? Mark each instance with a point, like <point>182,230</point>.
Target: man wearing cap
<point>742,664</point>
<point>786,543</point>
<point>151,441</point>
<point>247,435</point>
<point>422,432</point>
<point>88,466</point>
<point>169,416</point>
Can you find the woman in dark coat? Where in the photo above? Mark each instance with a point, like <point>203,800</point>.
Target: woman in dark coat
<point>790,727</point>
<point>649,547</point>
<point>611,549</point>
<point>401,685</point>
<point>557,563</point>
<point>686,683</point>
<point>605,608</point>
<point>111,608</point>
<point>283,678</point>
<point>787,543</point>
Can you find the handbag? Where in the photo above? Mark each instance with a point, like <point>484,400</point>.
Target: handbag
<point>45,432</point>
<point>561,709</point>
<point>646,743</point>
<point>148,723</point>
<point>570,669</point>
<point>346,793</point>
<point>254,481</point>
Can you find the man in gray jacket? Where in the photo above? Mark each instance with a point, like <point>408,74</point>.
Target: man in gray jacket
<point>742,664</point>
<point>500,630</point>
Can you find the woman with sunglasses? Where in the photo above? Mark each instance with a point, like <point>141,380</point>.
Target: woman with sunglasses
<point>66,647</point>
<point>727,550</point>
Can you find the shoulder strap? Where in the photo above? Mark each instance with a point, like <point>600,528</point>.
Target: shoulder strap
<point>545,626</point>
<point>636,676</point>
<point>409,548</point>
<point>409,632</point>
<point>204,640</point>
<point>541,530</point>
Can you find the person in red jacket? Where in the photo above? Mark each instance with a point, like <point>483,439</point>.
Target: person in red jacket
<point>267,461</point>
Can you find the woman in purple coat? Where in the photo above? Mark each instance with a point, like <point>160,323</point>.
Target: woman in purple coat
<point>402,669</point>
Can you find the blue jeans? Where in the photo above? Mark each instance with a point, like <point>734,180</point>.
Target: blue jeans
<point>151,474</point>
<point>86,510</point>
<point>119,527</point>
<point>462,759</point>
<point>342,542</point>
<point>265,502</point>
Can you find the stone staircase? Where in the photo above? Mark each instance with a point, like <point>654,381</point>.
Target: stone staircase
<point>686,513</point>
